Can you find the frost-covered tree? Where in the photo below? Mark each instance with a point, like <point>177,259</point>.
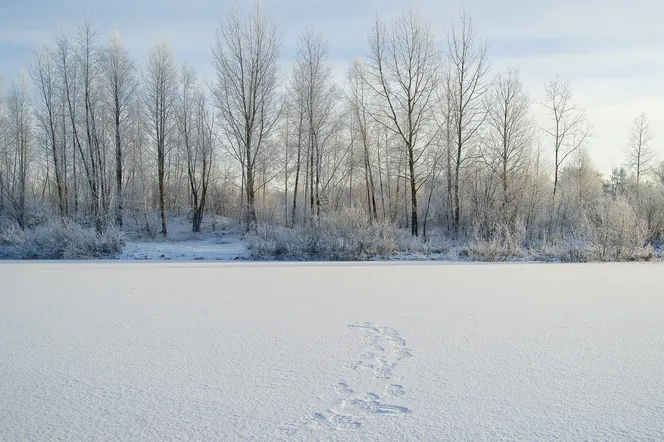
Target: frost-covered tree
<point>468,65</point>
<point>246,61</point>
<point>312,83</point>
<point>641,155</point>
<point>18,152</point>
<point>568,125</point>
<point>160,89</point>
<point>507,144</point>
<point>43,73</point>
<point>195,122</point>
<point>120,84</point>
<point>403,73</point>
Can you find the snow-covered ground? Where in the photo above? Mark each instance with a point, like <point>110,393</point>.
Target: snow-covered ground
<point>220,249</point>
<point>373,351</point>
<point>220,239</point>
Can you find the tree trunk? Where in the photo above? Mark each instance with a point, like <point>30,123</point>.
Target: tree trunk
<point>413,192</point>
<point>297,176</point>
<point>118,168</point>
<point>162,191</point>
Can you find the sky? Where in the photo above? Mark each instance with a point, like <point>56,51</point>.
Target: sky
<point>611,51</point>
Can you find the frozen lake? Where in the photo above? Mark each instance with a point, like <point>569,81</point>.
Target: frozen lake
<point>374,351</point>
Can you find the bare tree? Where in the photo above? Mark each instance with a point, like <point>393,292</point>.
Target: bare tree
<point>507,145</point>
<point>403,72</point>
<point>121,85</point>
<point>3,148</point>
<point>205,150</point>
<point>17,156</point>
<point>88,60</point>
<point>160,86</point>
<point>358,101</point>
<point>468,64</point>
<point>641,156</point>
<point>296,102</point>
<point>246,60</point>
<point>569,129</point>
<point>43,77</point>
<point>68,71</point>
<point>313,79</point>
<point>196,130</point>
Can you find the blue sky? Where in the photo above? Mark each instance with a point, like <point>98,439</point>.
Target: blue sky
<point>612,51</point>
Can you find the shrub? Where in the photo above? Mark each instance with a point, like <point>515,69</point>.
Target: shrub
<point>648,253</point>
<point>613,230</point>
<point>505,243</point>
<point>59,240</point>
<point>563,252</point>
<point>345,236</point>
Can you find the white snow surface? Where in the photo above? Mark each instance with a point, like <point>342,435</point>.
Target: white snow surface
<point>371,351</point>
<point>220,239</point>
<point>226,249</point>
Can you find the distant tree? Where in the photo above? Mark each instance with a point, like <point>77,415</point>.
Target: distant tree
<point>196,129</point>
<point>3,148</point>
<point>313,77</point>
<point>569,127</point>
<point>641,155</point>
<point>120,84</point>
<point>295,105</point>
<point>93,157</point>
<point>18,151</point>
<point>68,74</point>
<point>358,103</point>
<point>618,181</point>
<point>468,63</point>
<point>44,78</point>
<point>403,72</point>
<point>160,86</point>
<point>509,137</point>
<point>246,61</point>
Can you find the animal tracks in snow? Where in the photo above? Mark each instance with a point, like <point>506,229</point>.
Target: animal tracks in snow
<point>384,349</point>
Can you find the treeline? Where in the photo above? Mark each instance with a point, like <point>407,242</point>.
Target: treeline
<point>420,134</point>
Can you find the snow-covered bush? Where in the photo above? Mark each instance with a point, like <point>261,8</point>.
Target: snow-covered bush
<point>345,236</point>
<point>59,240</point>
<point>613,231</point>
<point>561,252</point>
<point>505,243</point>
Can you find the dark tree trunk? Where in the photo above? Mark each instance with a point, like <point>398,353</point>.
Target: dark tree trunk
<point>118,168</point>
<point>413,193</point>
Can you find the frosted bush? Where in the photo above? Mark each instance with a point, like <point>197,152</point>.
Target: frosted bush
<point>505,243</point>
<point>613,230</point>
<point>60,240</point>
<point>344,236</point>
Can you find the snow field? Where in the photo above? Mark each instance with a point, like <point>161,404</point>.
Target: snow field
<point>371,351</point>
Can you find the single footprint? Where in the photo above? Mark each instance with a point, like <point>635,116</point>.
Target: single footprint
<point>390,409</point>
<point>355,365</point>
<point>342,388</point>
<point>336,421</point>
<point>343,421</point>
<point>395,390</point>
<point>371,404</point>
